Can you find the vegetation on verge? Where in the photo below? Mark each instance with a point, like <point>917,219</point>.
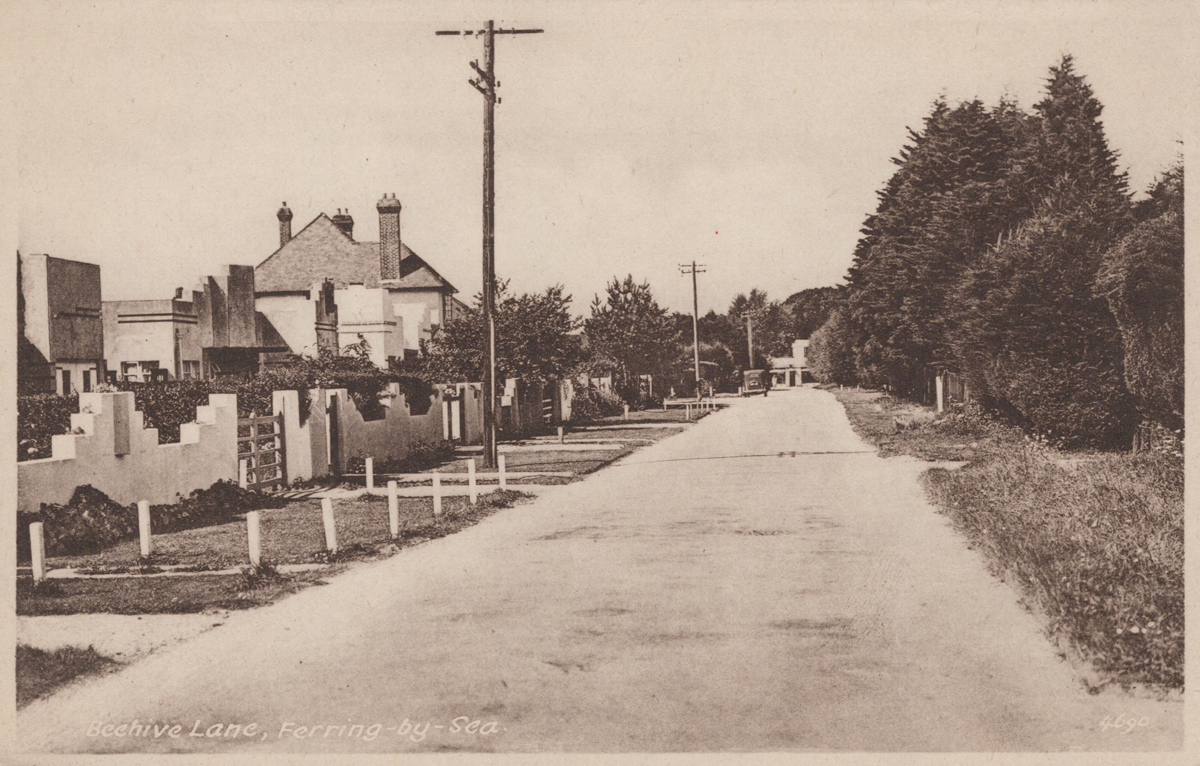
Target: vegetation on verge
<point>1093,541</point>
<point>40,672</point>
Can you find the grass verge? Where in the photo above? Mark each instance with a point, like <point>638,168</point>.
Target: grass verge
<point>290,535</point>
<point>40,672</point>
<point>1093,541</point>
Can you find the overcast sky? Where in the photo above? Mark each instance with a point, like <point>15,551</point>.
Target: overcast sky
<point>159,139</point>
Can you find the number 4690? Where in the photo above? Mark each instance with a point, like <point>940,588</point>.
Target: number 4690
<point>1124,723</point>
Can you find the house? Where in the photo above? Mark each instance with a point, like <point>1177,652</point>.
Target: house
<point>61,346</point>
<point>211,332</point>
<point>385,293</point>
<point>790,371</point>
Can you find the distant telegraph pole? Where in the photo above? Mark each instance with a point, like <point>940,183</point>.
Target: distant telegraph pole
<point>487,84</point>
<point>693,269</point>
<point>749,342</point>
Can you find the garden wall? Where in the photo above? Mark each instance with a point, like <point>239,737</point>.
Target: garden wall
<point>391,437</point>
<point>113,452</point>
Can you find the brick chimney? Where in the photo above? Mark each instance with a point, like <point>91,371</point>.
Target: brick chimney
<point>344,222</point>
<point>389,237</point>
<point>285,224</point>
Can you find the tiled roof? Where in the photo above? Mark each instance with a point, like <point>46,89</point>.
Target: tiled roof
<point>322,251</point>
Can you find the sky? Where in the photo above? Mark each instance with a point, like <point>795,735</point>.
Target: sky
<point>159,139</point>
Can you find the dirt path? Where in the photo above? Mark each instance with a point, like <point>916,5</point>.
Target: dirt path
<point>762,581</point>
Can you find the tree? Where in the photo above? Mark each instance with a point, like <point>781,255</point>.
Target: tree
<point>948,199</point>
<point>771,326</point>
<point>1142,279</point>
<point>811,308</point>
<point>630,334</point>
<point>1034,336</point>
<point>535,339</point>
<point>830,351</point>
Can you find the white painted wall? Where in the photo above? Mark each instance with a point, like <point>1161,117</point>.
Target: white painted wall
<point>295,318</point>
<point>119,457</point>
<point>368,312</point>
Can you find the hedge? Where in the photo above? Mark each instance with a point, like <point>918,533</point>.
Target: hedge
<point>40,417</point>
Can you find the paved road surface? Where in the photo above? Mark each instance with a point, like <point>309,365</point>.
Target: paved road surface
<point>711,592</point>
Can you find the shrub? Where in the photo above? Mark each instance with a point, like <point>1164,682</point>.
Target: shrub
<point>90,522</point>
<point>583,409</point>
<point>223,502</point>
<point>1034,335</point>
<point>40,417</point>
<point>1142,278</point>
<point>590,404</point>
<point>607,402</point>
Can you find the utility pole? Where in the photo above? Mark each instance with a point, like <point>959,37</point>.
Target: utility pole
<point>487,84</point>
<point>749,342</point>
<point>693,269</point>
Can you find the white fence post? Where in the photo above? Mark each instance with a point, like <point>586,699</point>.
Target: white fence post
<point>561,438</point>
<point>254,538</point>
<point>471,480</point>
<point>627,412</point>
<point>330,528</point>
<point>393,510</point>
<point>243,473</point>
<point>370,475</point>
<point>37,547</point>
<point>437,495</point>
<point>503,473</point>
<point>939,383</point>
<point>144,527</point>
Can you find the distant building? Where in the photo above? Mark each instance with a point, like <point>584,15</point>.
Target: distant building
<point>62,342</point>
<point>214,331</point>
<point>789,371</point>
<point>386,294</point>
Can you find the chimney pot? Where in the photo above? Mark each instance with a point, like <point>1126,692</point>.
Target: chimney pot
<point>344,222</point>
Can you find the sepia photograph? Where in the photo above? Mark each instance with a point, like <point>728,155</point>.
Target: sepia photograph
<point>783,381</point>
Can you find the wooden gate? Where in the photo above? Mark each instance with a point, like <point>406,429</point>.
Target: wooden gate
<point>260,450</point>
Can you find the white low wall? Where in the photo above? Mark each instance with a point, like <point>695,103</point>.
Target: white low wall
<point>390,438</point>
<point>119,457</point>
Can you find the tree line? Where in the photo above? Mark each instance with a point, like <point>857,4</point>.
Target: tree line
<point>1007,247</point>
<point>626,335</point>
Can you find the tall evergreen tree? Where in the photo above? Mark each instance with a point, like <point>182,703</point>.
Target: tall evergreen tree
<point>946,200</point>
<point>1032,333</point>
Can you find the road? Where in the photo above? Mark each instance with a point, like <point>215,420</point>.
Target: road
<point>761,581</point>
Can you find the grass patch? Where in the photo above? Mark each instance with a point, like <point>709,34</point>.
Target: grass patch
<point>40,672</point>
<point>290,535</point>
<point>1094,541</point>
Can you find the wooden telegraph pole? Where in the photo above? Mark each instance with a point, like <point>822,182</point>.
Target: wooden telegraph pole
<point>693,269</point>
<point>487,84</point>
<point>749,342</point>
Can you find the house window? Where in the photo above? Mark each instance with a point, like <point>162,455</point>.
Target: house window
<point>66,382</point>
<point>87,380</point>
